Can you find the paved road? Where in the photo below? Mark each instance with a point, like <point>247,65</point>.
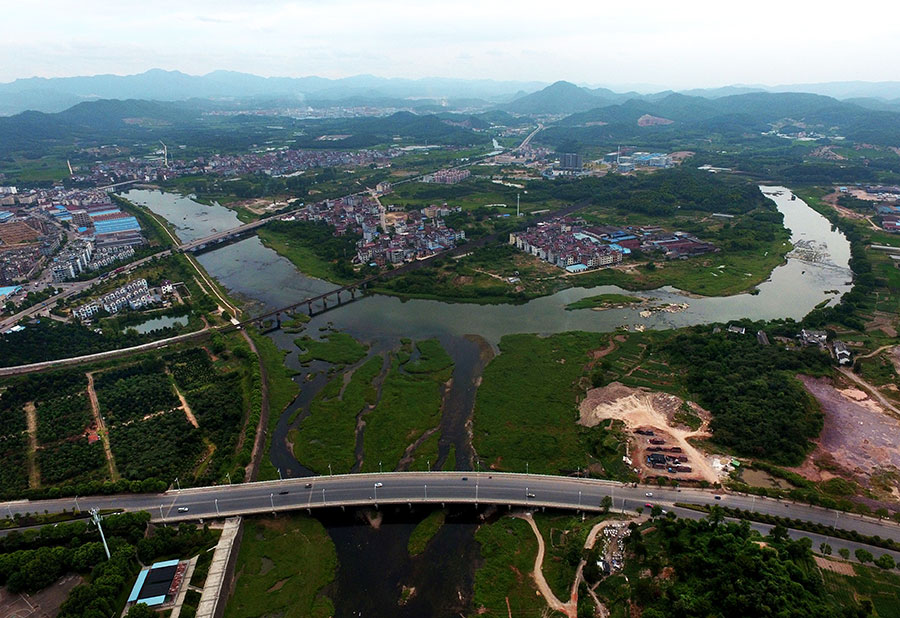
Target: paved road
<point>515,490</point>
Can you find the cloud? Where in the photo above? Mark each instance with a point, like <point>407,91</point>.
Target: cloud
<point>674,44</point>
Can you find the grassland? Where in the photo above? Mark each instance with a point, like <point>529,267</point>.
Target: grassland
<point>282,567</point>
<point>525,411</point>
<point>508,550</point>
<point>328,434</point>
<point>410,404</point>
<point>425,531</point>
<point>282,391</point>
<point>603,301</point>
<point>301,255</point>
<point>882,588</point>
<point>336,348</point>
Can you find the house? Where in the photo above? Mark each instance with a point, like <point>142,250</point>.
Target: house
<point>813,337</point>
<point>737,330</point>
<point>841,352</point>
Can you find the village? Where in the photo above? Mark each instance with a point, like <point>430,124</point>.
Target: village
<point>575,246</point>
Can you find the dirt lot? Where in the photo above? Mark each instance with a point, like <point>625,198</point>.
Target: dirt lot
<point>859,436</point>
<point>646,409</point>
<point>841,568</point>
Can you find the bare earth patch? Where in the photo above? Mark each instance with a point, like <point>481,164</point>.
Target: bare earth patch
<point>841,568</point>
<point>643,408</point>
<point>859,435</point>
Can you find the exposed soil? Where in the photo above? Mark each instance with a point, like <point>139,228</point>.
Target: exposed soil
<point>841,568</point>
<point>101,428</point>
<point>860,436</point>
<point>641,408</point>
<point>34,475</point>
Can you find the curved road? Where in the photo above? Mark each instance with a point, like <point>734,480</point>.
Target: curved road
<point>514,490</point>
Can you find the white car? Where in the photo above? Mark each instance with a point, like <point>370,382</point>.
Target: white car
<point>183,509</point>
<point>379,484</point>
<point>649,494</point>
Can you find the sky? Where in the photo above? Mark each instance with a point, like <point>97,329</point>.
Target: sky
<point>671,44</point>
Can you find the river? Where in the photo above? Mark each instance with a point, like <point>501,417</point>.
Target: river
<point>815,271</point>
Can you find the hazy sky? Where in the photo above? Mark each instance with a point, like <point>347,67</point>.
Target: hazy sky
<point>673,44</point>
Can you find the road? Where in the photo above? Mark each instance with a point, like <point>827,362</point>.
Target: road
<point>530,137</point>
<point>513,490</point>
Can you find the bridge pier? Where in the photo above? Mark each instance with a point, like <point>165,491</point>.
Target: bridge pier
<point>338,294</point>
<point>352,293</point>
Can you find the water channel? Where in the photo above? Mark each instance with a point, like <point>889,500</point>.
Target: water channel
<point>816,271</point>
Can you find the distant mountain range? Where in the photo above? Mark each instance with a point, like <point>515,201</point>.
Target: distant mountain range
<point>58,93</point>
<point>244,89</point>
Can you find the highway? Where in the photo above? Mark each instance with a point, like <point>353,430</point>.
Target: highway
<point>367,490</point>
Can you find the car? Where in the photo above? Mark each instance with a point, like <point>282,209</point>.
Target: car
<point>530,495</point>
<point>649,494</point>
<point>379,484</point>
<point>183,509</point>
<point>309,485</point>
<point>282,493</point>
<point>648,505</point>
<point>717,497</point>
<point>465,478</point>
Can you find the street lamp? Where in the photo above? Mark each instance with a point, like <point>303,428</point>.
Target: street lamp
<point>76,504</point>
<point>323,496</point>
<point>329,470</point>
<point>217,507</point>
<point>526,495</point>
<point>579,499</point>
<point>379,467</point>
<point>228,476</point>
<point>272,501</point>
<point>426,491</point>
<point>163,517</point>
<point>526,467</point>
<point>177,483</point>
<point>375,487</point>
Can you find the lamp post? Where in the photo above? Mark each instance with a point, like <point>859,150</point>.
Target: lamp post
<point>375,487</point>
<point>76,504</point>
<point>426,491</point>
<point>228,476</point>
<point>163,517</point>
<point>217,507</point>
<point>272,501</point>
<point>329,470</point>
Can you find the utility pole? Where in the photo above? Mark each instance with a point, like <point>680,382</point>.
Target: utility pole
<point>95,517</point>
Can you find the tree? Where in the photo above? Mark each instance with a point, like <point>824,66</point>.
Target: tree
<point>825,548</point>
<point>885,561</point>
<point>844,552</point>
<point>140,610</point>
<point>656,511</point>
<point>606,504</point>
<point>863,555</point>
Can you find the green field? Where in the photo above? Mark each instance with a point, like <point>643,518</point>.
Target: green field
<point>425,531</point>
<point>328,434</point>
<point>282,567</point>
<point>603,301</point>
<point>508,550</point>
<point>542,433</point>
<point>410,404</point>
<point>880,587</point>
<point>282,391</point>
<point>336,348</point>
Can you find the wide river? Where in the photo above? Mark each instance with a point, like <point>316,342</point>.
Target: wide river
<point>374,564</point>
<point>812,274</point>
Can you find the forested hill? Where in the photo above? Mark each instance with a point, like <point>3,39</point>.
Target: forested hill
<point>110,121</point>
<point>685,116</point>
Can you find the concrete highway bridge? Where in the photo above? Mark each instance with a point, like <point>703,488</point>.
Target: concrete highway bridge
<point>506,490</point>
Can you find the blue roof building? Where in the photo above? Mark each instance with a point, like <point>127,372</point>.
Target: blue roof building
<point>125,224</point>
